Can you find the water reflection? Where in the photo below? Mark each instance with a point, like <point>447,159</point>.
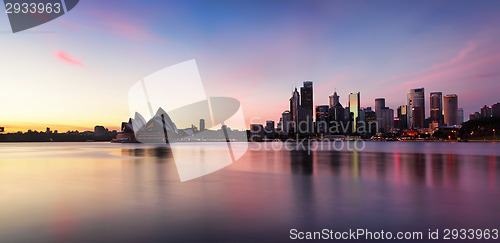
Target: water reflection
<point>137,196</point>
<point>158,152</point>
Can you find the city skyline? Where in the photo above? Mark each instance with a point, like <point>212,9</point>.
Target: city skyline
<point>74,72</point>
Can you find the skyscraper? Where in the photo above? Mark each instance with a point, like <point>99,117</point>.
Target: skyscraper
<point>416,98</point>
<point>321,119</point>
<point>495,110</point>
<point>403,117</point>
<point>418,118</point>
<point>379,104</point>
<point>436,103</point>
<point>287,122</point>
<point>354,107</point>
<point>306,93</point>
<point>460,116</point>
<point>202,125</point>
<point>334,99</point>
<point>451,110</point>
<point>294,110</point>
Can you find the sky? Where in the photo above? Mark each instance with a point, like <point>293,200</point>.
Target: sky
<point>75,72</point>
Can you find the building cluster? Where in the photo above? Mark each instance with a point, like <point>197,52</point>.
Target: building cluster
<point>100,133</point>
<point>486,111</point>
<point>334,120</point>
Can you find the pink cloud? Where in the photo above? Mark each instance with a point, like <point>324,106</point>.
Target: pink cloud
<point>65,57</point>
<point>462,55</point>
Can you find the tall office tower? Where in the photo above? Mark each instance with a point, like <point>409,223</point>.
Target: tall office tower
<point>451,110</point>
<point>334,99</point>
<point>306,93</point>
<point>294,110</point>
<point>418,118</point>
<point>286,124</point>
<point>460,116</point>
<point>495,110</point>
<point>436,103</point>
<point>403,117</point>
<point>202,125</point>
<point>416,98</point>
<point>354,107</point>
<point>367,115</point>
<point>386,121</point>
<point>379,104</point>
<point>322,119</point>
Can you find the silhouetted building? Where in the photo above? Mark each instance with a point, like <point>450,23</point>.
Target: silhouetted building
<point>385,116</point>
<point>99,131</point>
<point>485,111</point>
<point>270,130</point>
<point>202,125</point>
<point>287,122</point>
<point>476,115</point>
<point>322,119</point>
<point>379,104</point>
<point>306,102</point>
<point>495,110</point>
<point>336,116</point>
<point>460,116</point>
<point>385,119</point>
<point>294,110</point>
<point>256,132</point>
<point>436,104</point>
<point>334,99</point>
<point>418,117</point>
<point>416,98</point>
<point>403,117</point>
<point>451,110</point>
<point>368,116</point>
<point>354,107</point>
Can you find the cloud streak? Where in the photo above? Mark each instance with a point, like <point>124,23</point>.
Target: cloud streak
<point>65,57</point>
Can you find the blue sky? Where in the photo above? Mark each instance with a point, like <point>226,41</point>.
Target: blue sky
<point>255,51</point>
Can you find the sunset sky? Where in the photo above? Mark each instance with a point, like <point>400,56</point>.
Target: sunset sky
<point>75,72</point>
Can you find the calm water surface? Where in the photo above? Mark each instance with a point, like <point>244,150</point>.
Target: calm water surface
<point>94,192</point>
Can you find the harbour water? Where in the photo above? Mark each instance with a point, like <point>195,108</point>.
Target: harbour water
<point>94,192</point>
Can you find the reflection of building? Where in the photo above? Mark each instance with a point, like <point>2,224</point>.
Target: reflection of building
<point>436,104</point>
<point>415,98</point>
<point>354,108</point>
<point>451,110</point>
